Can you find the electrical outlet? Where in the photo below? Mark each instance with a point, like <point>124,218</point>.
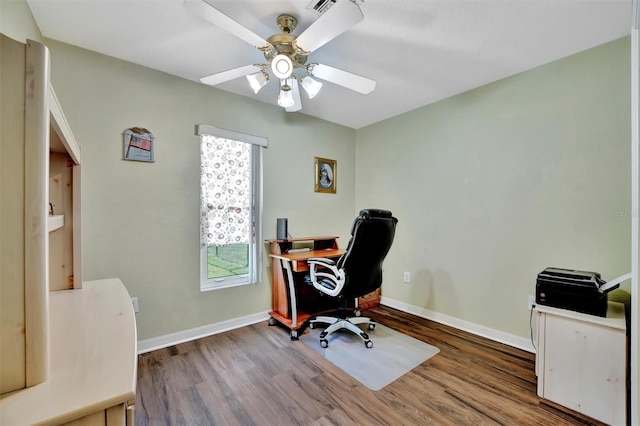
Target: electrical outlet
<point>407,277</point>
<point>134,302</point>
<point>531,302</point>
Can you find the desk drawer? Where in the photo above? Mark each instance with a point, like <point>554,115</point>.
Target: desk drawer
<point>299,266</point>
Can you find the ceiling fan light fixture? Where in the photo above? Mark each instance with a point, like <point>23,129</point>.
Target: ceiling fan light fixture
<point>311,86</point>
<point>285,52</point>
<point>258,80</point>
<point>285,98</point>
<point>282,66</point>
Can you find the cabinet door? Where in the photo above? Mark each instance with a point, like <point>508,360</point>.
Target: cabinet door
<point>584,368</point>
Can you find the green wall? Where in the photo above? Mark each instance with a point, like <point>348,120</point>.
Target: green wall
<point>493,185</point>
<point>490,186</point>
<point>16,21</point>
<point>140,221</point>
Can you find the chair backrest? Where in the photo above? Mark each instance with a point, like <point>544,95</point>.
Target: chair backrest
<point>372,234</point>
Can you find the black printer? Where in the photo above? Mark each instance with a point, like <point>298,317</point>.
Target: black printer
<point>579,291</point>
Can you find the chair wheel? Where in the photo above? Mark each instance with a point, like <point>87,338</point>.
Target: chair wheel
<point>368,344</point>
<point>324,343</point>
<point>272,322</point>
<point>371,326</point>
<point>312,325</point>
<point>357,313</point>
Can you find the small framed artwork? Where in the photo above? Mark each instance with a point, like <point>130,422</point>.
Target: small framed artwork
<point>326,171</point>
<point>138,145</point>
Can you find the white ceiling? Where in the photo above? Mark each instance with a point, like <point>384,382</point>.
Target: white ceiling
<point>418,51</point>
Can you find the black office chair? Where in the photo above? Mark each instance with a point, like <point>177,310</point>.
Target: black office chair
<point>358,272</point>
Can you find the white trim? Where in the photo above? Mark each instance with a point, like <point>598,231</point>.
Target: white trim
<point>478,330</point>
<point>205,129</point>
<point>254,274</point>
<point>635,209</point>
<point>226,282</point>
<point>61,126</point>
<point>154,343</point>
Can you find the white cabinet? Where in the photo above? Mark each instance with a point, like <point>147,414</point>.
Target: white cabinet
<point>581,361</point>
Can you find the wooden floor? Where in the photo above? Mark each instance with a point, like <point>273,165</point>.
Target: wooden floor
<point>257,376</point>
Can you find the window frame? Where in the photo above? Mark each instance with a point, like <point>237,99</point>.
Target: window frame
<point>254,274</point>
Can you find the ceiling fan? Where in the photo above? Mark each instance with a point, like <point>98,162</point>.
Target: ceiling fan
<point>287,55</point>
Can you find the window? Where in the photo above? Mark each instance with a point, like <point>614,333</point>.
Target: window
<point>230,207</point>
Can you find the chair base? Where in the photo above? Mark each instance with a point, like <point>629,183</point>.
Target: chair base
<point>344,324</point>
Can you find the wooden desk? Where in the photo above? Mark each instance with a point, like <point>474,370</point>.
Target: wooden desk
<point>293,301</point>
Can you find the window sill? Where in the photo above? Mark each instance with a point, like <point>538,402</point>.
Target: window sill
<point>206,286</point>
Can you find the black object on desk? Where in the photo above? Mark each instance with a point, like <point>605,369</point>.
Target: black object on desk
<point>579,291</point>
<point>281,228</point>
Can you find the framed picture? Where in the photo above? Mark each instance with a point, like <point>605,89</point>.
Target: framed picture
<point>138,145</point>
<point>326,180</point>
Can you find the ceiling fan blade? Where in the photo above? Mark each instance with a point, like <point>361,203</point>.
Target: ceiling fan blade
<point>297,105</point>
<point>338,19</point>
<point>343,78</point>
<point>231,74</point>
<point>219,19</point>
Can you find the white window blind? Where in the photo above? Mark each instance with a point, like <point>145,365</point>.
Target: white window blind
<point>230,207</point>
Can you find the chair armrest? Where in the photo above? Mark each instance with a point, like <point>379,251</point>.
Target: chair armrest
<point>323,261</point>
<point>326,269</point>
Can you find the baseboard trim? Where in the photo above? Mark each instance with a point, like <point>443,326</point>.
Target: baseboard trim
<point>154,343</point>
<point>478,330</point>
